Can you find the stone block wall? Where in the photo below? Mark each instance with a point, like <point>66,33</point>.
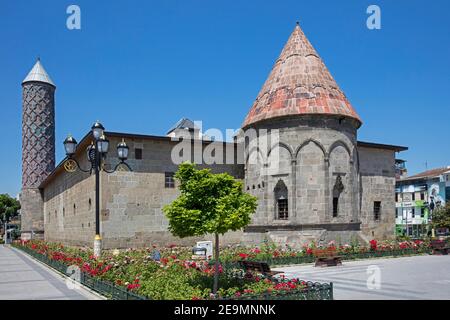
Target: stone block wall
<point>377,173</point>
<point>131,202</point>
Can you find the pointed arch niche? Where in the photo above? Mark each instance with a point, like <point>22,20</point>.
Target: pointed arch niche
<point>281,201</point>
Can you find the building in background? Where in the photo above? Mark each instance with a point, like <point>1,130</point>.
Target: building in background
<point>416,197</point>
<point>400,169</point>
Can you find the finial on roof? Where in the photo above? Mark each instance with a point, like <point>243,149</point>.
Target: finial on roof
<point>297,23</point>
<point>39,58</point>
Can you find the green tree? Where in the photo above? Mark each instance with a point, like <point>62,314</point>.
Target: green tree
<point>208,204</point>
<point>9,208</point>
<point>441,217</point>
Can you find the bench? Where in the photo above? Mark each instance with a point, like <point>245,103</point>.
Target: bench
<point>255,266</point>
<point>327,257</point>
<point>331,261</point>
<point>440,247</point>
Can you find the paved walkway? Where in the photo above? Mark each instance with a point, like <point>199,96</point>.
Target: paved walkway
<point>22,278</point>
<point>407,278</point>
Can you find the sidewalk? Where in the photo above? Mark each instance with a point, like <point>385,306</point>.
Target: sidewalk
<point>404,278</point>
<point>22,278</point>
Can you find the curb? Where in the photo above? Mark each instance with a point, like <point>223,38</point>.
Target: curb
<point>61,275</point>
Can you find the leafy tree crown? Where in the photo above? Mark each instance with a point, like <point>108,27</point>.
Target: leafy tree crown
<point>208,203</point>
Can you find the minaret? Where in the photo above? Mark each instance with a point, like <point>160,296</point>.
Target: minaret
<point>38,146</point>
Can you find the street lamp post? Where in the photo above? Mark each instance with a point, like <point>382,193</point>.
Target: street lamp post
<point>96,153</point>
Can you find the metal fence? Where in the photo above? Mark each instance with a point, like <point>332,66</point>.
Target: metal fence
<point>278,261</point>
<point>312,291</point>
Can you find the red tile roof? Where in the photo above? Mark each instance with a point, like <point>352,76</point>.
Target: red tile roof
<point>428,174</point>
<point>299,83</point>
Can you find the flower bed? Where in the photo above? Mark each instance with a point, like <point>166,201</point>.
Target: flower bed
<point>132,274</point>
<point>286,255</point>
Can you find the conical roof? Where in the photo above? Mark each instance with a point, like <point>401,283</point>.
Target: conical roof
<point>39,74</point>
<point>299,84</point>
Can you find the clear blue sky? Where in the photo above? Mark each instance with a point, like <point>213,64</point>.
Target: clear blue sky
<point>139,66</point>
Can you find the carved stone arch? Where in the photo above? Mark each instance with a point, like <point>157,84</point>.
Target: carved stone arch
<point>259,153</point>
<point>281,145</point>
<point>308,141</point>
<point>340,143</point>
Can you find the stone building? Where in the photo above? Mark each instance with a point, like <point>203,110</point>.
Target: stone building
<point>314,180</point>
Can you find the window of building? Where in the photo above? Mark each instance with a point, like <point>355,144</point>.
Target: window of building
<point>138,153</point>
<point>169,180</point>
<point>422,196</point>
<point>413,196</point>
<point>413,212</point>
<point>335,206</point>
<point>377,210</point>
<point>422,212</point>
<point>396,197</point>
<point>283,212</point>
<point>337,191</point>
<point>396,213</point>
<point>74,209</point>
<point>90,204</point>
<point>281,201</point>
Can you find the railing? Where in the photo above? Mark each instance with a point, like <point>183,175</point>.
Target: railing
<point>105,288</point>
<point>278,261</point>
<point>313,291</point>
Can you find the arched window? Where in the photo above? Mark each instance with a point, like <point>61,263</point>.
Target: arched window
<point>337,190</point>
<point>281,201</point>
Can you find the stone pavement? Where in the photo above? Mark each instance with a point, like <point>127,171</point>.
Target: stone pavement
<point>22,278</point>
<point>406,278</point>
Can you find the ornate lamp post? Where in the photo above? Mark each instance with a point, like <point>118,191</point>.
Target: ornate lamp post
<point>96,153</point>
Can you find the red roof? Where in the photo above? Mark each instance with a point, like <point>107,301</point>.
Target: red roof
<point>299,83</point>
<point>428,174</point>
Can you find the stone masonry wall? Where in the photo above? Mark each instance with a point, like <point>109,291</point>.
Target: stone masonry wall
<point>131,202</point>
<point>377,184</point>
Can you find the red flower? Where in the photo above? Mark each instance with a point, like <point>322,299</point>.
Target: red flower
<point>243,256</point>
<point>373,244</point>
<point>133,286</point>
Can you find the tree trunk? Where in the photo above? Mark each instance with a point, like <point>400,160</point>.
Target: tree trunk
<point>216,266</point>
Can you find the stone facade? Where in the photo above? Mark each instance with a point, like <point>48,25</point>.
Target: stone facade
<point>313,154</point>
<point>131,202</point>
<point>377,172</point>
